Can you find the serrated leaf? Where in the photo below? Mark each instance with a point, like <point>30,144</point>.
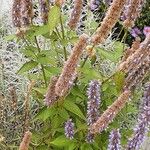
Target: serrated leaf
<point>72,107</point>
<point>41,30</point>
<point>53,18</point>
<point>62,141</point>
<point>45,113</point>
<point>44,58</point>
<point>10,37</point>
<point>112,55</point>
<point>119,78</point>
<point>63,113</point>
<point>27,66</point>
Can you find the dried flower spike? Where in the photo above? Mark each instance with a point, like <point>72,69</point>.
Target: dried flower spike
<point>27,12</point>
<point>59,3</point>
<point>133,60</point>
<point>69,129</point>
<point>142,127</point>
<point>108,115</point>
<point>114,140</point>
<point>75,15</point>
<point>69,70</point>
<point>24,145</point>
<point>51,96</point>
<point>44,10</point>
<point>132,12</point>
<point>130,51</point>
<point>16,13</point>
<point>108,22</point>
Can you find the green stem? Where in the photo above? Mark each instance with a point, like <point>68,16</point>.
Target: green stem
<point>44,75</point>
<point>120,33</point>
<point>85,59</point>
<point>63,36</point>
<point>124,37</point>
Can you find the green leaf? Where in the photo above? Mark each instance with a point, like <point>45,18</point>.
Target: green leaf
<point>114,55</point>
<point>62,141</point>
<point>27,66</point>
<point>44,57</point>
<point>72,107</point>
<point>119,80</point>
<point>10,37</point>
<point>41,30</point>
<point>53,18</point>
<point>63,113</point>
<point>45,113</point>
<point>40,90</point>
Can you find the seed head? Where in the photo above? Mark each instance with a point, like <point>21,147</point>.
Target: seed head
<point>68,74</point>
<point>108,22</point>
<point>75,14</point>
<point>109,114</point>
<point>24,145</point>
<point>51,96</point>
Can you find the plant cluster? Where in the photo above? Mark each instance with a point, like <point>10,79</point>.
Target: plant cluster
<point>83,103</point>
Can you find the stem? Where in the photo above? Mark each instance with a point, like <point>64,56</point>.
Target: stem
<point>85,59</point>
<point>44,75</point>
<point>124,37</point>
<point>120,33</point>
<point>63,36</point>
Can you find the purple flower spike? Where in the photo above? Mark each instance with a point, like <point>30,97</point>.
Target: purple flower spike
<point>114,140</point>
<point>94,4</point>
<point>142,127</point>
<point>93,93</point>
<point>93,102</point>
<point>146,30</point>
<point>69,129</point>
<point>135,32</point>
<point>90,138</point>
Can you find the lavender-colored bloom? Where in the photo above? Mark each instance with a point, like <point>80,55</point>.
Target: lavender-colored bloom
<point>69,129</point>
<point>114,140</point>
<point>93,93</point>
<point>108,2</point>
<point>142,127</point>
<point>135,32</point>
<point>90,137</point>
<point>94,4</point>
<point>146,30</point>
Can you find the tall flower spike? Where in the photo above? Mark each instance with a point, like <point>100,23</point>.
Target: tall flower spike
<point>93,102</point>
<point>24,145</point>
<point>44,10</point>
<point>75,15</point>
<point>136,75</point>
<point>93,106</point>
<point>51,96</point>
<point>130,51</point>
<point>132,12</point>
<point>27,12</point>
<point>136,57</point>
<point>143,123</point>
<point>59,3</point>
<point>16,13</point>
<point>69,70</point>
<point>109,114</point>
<point>108,22</point>
<point>69,129</point>
<point>114,140</point>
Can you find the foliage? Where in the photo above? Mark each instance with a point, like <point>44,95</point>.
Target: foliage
<point>45,48</point>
